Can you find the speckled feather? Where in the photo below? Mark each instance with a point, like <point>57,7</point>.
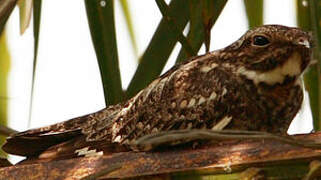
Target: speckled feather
<point>243,86</point>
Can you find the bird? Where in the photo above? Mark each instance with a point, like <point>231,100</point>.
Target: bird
<point>254,84</point>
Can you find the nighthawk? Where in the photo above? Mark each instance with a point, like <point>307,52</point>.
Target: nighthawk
<point>253,84</point>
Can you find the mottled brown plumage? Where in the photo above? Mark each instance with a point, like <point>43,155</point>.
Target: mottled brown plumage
<point>253,84</point>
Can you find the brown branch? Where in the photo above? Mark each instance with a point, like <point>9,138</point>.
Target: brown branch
<point>265,157</point>
<point>103,172</point>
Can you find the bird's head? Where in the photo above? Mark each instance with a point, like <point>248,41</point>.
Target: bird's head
<point>271,54</point>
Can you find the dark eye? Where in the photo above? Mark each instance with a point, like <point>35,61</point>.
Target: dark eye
<point>260,41</point>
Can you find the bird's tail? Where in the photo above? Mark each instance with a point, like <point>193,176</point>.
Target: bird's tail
<point>33,142</point>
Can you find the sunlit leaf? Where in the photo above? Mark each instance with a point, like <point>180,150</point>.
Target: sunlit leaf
<point>163,7</point>
<point>211,9</point>
<point>6,7</point>
<point>25,7</point>
<point>202,19</point>
<point>100,16</point>
<point>254,12</point>
<point>36,30</point>
<point>156,55</point>
<point>309,17</point>
<point>4,72</point>
<point>129,23</point>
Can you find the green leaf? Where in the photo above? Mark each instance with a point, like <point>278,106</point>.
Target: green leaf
<point>100,16</point>
<point>156,55</point>
<point>315,71</point>
<point>211,9</point>
<point>202,19</point>
<point>25,7</point>
<point>181,38</point>
<point>309,17</point>
<point>4,72</point>
<point>129,23</point>
<point>36,30</point>
<point>6,7</point>
<point>254,12</point>
<point>303,16</point>
<point>36,26</point>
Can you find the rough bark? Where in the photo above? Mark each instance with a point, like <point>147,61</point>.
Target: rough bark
<point>233,159</point>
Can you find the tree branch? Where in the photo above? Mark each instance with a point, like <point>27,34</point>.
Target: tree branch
<point>269,158</point>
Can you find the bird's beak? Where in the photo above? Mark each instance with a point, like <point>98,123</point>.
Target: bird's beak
<point>304,43</point>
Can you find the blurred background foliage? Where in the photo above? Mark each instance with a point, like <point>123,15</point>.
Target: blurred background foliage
<point>201,16</point>
<point>4,71</point>
<point>309,19</point>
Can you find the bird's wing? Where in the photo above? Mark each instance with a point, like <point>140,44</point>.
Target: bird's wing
<point>87,131</point>
<point>76,147</point>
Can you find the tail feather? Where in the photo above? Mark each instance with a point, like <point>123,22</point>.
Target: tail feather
<point>33,145</point>
<point>33,142</point>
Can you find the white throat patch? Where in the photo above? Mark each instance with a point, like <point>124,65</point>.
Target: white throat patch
<point>292,67</point>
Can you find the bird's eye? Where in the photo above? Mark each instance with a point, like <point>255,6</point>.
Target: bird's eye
<point>260,40</point>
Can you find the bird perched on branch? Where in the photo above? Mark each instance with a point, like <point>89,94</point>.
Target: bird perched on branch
<point>252,84</point>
